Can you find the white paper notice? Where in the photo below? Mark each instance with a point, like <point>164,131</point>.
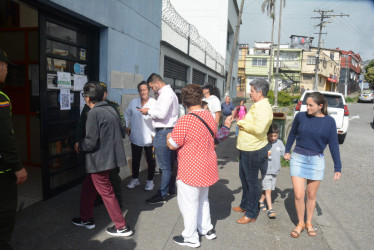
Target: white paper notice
<point>63,79</point>
<point>64,99</point>
<point>79,81</point>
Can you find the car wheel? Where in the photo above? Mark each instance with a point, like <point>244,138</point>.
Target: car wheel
<point>341,138</point>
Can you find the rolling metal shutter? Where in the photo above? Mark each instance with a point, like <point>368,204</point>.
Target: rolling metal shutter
<point>212,80</point>
<point>174,69</point>
<point>198,77</point>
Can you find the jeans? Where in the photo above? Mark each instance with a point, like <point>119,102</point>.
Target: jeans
<point>250,162</point>
<point>165,159</point>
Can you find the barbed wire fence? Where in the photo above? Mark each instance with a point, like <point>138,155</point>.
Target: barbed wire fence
<point>184,36</point>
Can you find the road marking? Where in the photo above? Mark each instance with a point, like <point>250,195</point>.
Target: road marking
<point>354,117</point>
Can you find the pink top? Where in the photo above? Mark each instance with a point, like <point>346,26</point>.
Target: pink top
<point>197,159</point>
<point>242,112</point>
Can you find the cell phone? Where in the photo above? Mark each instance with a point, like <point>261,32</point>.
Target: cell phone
<point>138,107</point>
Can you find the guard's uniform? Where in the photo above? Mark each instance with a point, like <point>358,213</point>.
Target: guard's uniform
<point>10,162</point>
<point>80,133</point>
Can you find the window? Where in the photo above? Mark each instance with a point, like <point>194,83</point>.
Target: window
<point>288,56</point>
<point>324,63</point>
<point>259,61</point>
<point>332,55</point>
<point>312,60</point>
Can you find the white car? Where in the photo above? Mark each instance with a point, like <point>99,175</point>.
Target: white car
<point>337,108</point>
<point>366,95</point>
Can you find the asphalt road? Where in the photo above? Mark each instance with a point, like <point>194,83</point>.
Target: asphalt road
<point>343,218</point>
<point>345,207</point>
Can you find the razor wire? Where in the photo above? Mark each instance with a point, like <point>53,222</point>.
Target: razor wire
<point>178,24</point>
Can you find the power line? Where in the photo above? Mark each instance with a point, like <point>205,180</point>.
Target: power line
<point>323,16</point>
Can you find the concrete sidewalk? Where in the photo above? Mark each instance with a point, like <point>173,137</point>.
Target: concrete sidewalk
<point>47,224</point>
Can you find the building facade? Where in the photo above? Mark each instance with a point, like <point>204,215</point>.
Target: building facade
<point>328,73</point>
<point>58,46</point>
<point>350,71</point>
<point>257,65</point>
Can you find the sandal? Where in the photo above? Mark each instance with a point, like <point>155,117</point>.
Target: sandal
<point>271,214</point>
<point>295,233</point>
<point>310,230</point>
<point>262,206</point>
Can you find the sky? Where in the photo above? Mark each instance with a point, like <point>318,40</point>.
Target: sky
<point>355,32</point>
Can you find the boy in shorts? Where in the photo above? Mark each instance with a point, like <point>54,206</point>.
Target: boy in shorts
<point>274,164</point>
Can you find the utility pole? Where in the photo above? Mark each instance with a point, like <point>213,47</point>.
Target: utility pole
<point>346,74</point>
<point>277,68</point>
<point>236,36</point>
<point>321,24</point>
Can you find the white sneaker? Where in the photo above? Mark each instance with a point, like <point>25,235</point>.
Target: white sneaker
<point>149,186</point>
<point>133,183</point>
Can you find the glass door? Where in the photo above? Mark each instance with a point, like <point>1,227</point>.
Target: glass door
<point>68,58</point>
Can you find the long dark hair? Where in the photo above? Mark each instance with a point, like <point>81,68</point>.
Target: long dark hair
<point>319,99</point>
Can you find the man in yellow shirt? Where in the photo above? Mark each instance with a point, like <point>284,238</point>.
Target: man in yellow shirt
<point>253,146</point>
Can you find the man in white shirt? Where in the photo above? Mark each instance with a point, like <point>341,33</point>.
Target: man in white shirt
<point>165,116</point>
<point>214,103</point>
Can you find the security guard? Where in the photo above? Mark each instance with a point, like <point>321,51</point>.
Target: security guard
<point>12,172</point>
<point>80,133</point>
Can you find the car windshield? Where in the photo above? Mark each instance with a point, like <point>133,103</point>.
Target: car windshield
<point>367,91</point>
<point>333,101</point>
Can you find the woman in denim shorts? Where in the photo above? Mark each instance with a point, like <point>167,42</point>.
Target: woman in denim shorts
<point>312,130</point>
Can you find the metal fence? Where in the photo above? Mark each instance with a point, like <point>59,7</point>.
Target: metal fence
<point>185,37</point>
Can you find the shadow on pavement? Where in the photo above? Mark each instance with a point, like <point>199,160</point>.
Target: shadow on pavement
<point>220,199</point>
<point>134,199</point>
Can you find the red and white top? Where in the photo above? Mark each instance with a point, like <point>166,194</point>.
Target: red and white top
<point>197,159</point>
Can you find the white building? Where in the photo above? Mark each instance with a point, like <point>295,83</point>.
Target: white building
<point>193,50</point>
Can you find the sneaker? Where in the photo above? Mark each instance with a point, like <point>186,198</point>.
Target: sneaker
<point>133,183</point>
<point>156,199</point>
<point>181,241</point>
<point>126,231</point>
<point>210,235</point>
<point>87,224</point>
<point>149,186</point>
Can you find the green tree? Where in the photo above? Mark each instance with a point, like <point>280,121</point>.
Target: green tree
<point>369,75</point>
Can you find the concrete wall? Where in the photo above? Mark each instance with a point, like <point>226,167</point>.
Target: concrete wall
<point>130,41</point>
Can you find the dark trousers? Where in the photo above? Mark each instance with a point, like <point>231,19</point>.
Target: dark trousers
<point>250,163</point>
<point>99,183</point>
<point>8,208</point>
<point>137,155</point>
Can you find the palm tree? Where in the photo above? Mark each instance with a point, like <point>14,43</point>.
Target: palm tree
<point>269,6</point>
